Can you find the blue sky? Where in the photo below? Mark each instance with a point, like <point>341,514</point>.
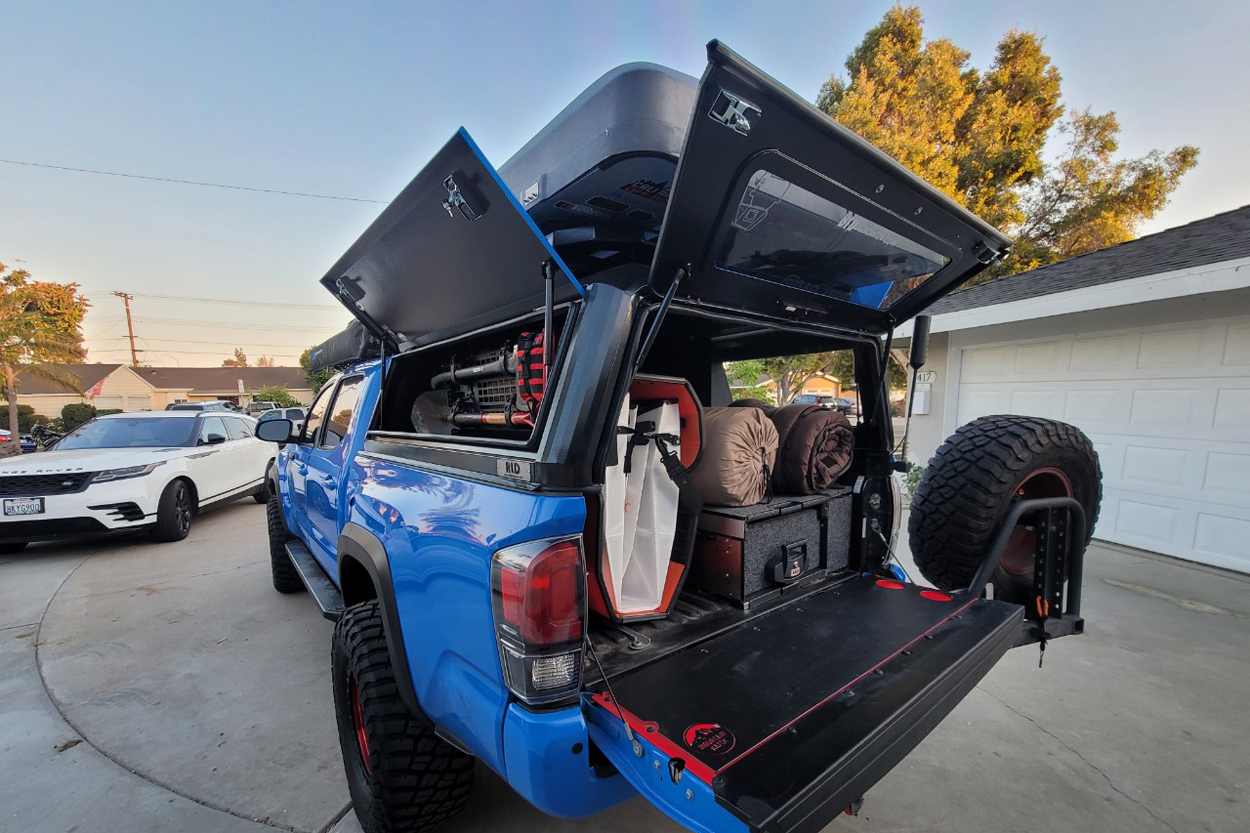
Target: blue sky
<point>352,99</point>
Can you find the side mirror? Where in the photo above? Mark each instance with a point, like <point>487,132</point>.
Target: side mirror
<point>919,341</point>
<point>276,431</point>
<point>216,439</point>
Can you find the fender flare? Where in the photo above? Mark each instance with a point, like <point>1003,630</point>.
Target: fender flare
<point>358,544</point>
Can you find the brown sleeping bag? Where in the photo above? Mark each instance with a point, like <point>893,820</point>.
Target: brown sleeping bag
<point>739,448</point>
<point>816,445</point>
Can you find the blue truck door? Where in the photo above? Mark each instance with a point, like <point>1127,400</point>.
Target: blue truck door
<point>297,462</point>
<point>326,471</point>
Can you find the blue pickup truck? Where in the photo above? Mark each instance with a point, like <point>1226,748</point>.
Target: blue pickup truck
<point>492,496</point>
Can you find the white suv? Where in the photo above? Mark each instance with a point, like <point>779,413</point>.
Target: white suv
<point>151,470</point>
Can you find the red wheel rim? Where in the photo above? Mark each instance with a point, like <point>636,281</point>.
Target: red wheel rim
<point>1018,557</point>
<point>358,723</point>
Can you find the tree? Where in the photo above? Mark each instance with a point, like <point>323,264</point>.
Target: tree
<point>266,361</point>
<point>316,378</point>
<point>239,360</point>
<point>979,137</point>
<point>743,377</point>
<point>40,329</point>
<point>278,394</point>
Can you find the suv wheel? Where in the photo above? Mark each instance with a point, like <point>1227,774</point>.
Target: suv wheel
<point>972,481</point>
<point>262,494</point>
<point>174,512</point>
<point>285,577</point>
<point>401,775</point>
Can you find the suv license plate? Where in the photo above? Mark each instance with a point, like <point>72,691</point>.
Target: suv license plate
<point>23,506</point>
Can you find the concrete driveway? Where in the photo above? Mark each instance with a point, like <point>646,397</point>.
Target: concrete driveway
<point>148,687</point>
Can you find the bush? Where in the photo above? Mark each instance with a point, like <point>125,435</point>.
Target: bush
<point>76,414</point>
<point>275,393</point>
<point>26,417</point>
<point>105,411</point>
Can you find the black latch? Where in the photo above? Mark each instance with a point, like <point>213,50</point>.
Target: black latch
<point>985,254</point>
<point>789,567</point>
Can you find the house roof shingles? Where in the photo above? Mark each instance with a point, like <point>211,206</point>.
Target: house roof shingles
<point>1212,240</point>
<point>87,375</point>
<point>201,380</point>
<point>221,379</point>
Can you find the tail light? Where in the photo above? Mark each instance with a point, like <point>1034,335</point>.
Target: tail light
<point>539,603</point>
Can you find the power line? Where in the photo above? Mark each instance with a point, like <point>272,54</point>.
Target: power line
<point>232,325</point>
<point>281,304</point>
<point>230,344</point>
<point>218,353</point>
<point>189,182</point>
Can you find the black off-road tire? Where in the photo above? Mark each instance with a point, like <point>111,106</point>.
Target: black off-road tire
<point>970,484</point>
<point>402,777</point>
<point>262,494</point>
<point>174,512</point>
<point>285,577</point>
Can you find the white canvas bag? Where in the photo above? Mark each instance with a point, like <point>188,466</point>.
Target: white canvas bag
<point>649,514</point>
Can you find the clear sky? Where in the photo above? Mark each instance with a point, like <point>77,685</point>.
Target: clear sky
<point>351,99</point>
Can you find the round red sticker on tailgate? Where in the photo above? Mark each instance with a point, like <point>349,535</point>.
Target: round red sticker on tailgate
<point>709,738</point>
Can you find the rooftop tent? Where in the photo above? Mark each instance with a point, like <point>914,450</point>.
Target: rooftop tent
<point>452,253</point>
<point>354,344</point>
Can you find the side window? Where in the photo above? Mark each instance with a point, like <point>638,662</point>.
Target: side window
<point>211,426</point>
<point>317,412</point>
<point>294,413</point>
<point>239,428</point>
<point>345,404</point>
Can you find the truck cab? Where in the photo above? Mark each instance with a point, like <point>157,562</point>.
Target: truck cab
<point>497,497</point>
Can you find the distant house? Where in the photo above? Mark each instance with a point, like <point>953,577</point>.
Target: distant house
<point>1145,346</point>
<point>127,388</point>
<point>819,385</point>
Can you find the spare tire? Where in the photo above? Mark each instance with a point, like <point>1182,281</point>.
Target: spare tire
<point>970,485</point>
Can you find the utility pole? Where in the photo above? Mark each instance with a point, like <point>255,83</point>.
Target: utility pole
<point>130,328</point>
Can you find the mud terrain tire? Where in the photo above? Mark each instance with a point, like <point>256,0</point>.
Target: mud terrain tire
<point>970,484</point>
<point>401,775</point>
<point>285,577</point>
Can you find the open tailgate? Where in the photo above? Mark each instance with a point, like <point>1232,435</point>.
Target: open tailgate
<point>780,211</point>
<point>781,724</point>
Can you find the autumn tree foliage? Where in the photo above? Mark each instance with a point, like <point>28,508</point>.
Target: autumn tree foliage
<point>238,360</point>
<point>979,136</point>
<point>40,330</point>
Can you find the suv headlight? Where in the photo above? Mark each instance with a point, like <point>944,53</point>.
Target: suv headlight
<point>126,473</point>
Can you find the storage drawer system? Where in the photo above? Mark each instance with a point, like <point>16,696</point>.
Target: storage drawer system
<point>752,553</point>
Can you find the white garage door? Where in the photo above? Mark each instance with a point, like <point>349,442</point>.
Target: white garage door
<point>1169,412</point>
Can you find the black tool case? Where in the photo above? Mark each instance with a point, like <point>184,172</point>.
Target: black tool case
<point>754,552</point>
<point>607,160</point>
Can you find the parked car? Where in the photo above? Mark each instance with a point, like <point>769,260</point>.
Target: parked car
<point>207,405</point>
<point>296,415</point>
<point>254,408</point>
<point>458,499</point>
<point>815,399</point>
<point>136,471</point>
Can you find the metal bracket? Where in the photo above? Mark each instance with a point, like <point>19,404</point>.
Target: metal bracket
<point>457,201</point>
<point>1060,540</point>
<point>733,112</point>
